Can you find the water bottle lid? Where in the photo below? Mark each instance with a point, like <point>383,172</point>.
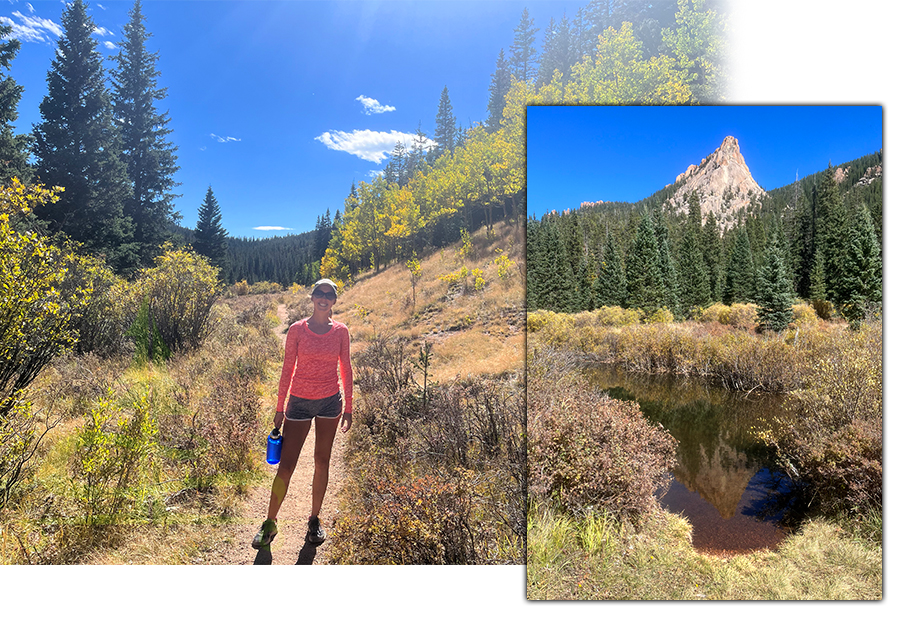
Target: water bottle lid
<point>275,433</point>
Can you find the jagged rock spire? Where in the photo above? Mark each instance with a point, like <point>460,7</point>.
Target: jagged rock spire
<point>722,181</point>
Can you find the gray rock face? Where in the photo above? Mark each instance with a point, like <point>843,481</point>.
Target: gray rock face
<point>722,181</point>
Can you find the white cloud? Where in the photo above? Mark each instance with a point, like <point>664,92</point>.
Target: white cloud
<point>29,29</point>
<point>220,139</point>
<point>268,228</point>
<point>371,106</point>
<point>103,32</point>
<point>374,146</point>
<point>109,45</point>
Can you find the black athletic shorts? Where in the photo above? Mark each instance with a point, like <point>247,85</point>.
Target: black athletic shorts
<point>301,409</point>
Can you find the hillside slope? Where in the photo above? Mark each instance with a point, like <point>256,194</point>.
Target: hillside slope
<point>479,332</point>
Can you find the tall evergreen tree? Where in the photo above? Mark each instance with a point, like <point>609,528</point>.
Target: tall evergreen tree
<point>323,234</point>
<point>861,283</point>
<point>740,276</point>
<point>500,83</point>
<point>645,289</point>
<point>775,294</point>
<point>557,54</point>
<point>522,51</point>
<point>444,126</point>
<point>711,244</point>
<point>210,238</point>
<point>694,276</point>
<point>670,282</point>
<point>817,290</point>
<point>148,156</point>
<point>77,147</point>
<point>13,147</point>
<point>609,285</point>
<point>831,233</point>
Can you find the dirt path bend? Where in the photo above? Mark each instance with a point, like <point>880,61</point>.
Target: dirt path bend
<point>289,546</point>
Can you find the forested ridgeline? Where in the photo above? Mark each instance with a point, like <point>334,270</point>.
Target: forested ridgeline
<point>817,239</point>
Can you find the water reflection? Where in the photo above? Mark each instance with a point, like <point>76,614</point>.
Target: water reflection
<point>724,481</point>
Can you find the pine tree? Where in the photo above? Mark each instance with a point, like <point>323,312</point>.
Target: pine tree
<point>323,234</point>
<point>817,290</point>
<point>740,277</point>
<point>644,281</point>
<point>861,283</point>
<point>557,53</point>
<point>149,158</point>
<point>444,126</point>
<point>694,276</point>
<point>13,148</point>
<point>713,255</point>
<point>671,286</point>
<point>77,147</point>
<point>775,294</point>
<point>398,159</point>
<point>609,285</point>
<point>831,234</point>
<point>210,238</point>
<point>500,83</point>
<point>522,51</point>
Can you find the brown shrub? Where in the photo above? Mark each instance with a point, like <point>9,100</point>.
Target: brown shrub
<point>426,520</point>
<point>440,480</point>
<point>587,451</point>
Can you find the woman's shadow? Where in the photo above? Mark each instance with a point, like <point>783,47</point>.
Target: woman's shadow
<point>306,557</point>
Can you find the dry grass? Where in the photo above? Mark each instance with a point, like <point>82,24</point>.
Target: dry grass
<point>657,562</point>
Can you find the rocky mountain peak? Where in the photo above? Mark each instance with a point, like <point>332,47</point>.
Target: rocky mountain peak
<point>722,181</point>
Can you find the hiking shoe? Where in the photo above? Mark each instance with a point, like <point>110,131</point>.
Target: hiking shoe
<point>316,534</point>
<point>266,534</point>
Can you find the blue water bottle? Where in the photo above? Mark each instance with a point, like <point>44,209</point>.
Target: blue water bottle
<point>273,447</point>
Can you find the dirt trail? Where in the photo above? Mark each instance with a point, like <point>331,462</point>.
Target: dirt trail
<point>290,545</point>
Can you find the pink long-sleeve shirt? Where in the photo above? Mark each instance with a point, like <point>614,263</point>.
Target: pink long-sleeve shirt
<point>312,363</point>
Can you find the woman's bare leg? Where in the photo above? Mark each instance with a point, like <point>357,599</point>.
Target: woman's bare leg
<point>325,430</point>
<point>294,436</point>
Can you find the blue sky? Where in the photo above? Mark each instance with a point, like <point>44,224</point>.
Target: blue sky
<point>609,153</point>
<point>281,106</point>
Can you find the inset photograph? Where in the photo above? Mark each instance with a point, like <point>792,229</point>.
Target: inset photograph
<point>704,316</point>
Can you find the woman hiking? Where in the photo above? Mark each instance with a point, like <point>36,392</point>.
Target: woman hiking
<point>316,353</point>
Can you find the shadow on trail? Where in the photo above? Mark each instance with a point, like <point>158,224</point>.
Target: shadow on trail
<point>263,557</point>
<point>307,554</point>
<point>306,557</point>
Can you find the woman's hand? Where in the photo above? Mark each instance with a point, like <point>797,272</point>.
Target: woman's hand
<point>346,421</point>
<point>279,419</point>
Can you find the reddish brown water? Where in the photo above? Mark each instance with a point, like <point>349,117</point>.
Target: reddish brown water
<point>746,530</point>
<point>724,482</point>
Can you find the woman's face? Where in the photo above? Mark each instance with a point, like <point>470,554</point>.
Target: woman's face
<point>323,298</point>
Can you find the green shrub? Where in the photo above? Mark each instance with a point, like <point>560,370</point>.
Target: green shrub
<point>181,290</point>
<point>115,448</point>
<point>42,295</point>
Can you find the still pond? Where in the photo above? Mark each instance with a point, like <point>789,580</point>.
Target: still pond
<point>725,482</point>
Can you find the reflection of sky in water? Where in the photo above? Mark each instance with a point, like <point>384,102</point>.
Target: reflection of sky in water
<point>722,482</point>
